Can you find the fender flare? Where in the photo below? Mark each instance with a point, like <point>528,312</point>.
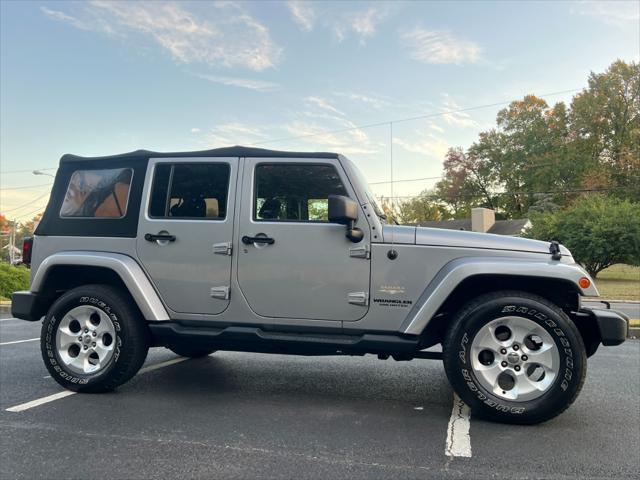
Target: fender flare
<point>460,269</point>
<point>125,267</point>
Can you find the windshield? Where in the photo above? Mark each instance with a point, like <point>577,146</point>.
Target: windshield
<point>367,191</point>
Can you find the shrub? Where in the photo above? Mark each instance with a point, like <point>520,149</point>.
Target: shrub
<point>13,279</point>
<point>600,231</point>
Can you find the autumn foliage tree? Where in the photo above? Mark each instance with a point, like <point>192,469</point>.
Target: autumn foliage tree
<point>556,150</point>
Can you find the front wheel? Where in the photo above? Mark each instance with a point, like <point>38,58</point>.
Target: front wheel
<point>93,339</point>
<point>514,357</point>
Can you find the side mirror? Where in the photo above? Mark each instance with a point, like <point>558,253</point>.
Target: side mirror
<point>344,211</point>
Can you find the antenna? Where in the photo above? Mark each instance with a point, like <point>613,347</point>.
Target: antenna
<point>391,254</point>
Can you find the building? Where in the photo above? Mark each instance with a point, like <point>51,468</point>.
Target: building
<point>483,220</point>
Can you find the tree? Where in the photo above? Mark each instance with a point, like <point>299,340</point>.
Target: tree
<point>468,180</point>
<point>420,209</point>
<point>605,119</point>
<point>599,230</point>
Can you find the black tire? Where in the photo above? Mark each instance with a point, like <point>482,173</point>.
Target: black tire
<point>131,342</point>
<point>191,351</point>
<point>572,354</point>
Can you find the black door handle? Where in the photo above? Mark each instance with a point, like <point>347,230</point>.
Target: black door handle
<point>150,237</point>
<point>249,240</point>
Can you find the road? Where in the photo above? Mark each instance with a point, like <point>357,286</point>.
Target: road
<point>239,415</point>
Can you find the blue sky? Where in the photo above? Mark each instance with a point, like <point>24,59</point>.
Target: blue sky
<point>107,77</point>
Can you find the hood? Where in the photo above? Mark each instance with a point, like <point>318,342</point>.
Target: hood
<point>463,239</point>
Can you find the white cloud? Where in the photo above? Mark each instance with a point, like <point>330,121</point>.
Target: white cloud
<point>365,23</point>
<point>323,104</point>
<point>302,13</point>
<point>456,118</point>
<point>435,127</point>
<point>431,146</point>
<point>233,133</point>
<point>350,142</point>
<point>369,100</point>
<point>249,83</point>
<point>617,13</point>
<point>362,23</point>
<point>195,130</point>
<point>230,38</point>
<point>439,47</point>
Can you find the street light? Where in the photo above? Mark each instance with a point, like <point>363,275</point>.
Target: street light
<point>40,172</point>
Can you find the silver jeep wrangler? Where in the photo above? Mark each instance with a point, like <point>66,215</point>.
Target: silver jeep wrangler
<point>282,252</point>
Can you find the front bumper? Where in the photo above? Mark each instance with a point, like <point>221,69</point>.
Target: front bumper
<point>28,306</point>
<point>612,325</point>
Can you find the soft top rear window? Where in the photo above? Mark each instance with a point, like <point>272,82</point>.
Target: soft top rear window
<point>97,194</point>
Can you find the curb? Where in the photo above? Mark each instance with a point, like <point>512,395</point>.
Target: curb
<point>5,308</point>
<point>634,332</point>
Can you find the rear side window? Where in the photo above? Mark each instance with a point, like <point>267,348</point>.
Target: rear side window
<point>97,194</point>
<point>190,190</point>
<point>295,192</point>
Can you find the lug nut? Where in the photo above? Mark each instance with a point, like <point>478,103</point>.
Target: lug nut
<point>80,338</point>
<point>85,347</point>
<point>517,368</point>
<point>94,334</point>
<point>524,358</point>
<point>503,351</point>
<point>504,364</point>
<point>86,330</point>
<point>515,346</point>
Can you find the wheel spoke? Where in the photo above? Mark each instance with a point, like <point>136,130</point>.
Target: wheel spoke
<point>543,356</point>
<point>103,351</point>
<point>66,338</point>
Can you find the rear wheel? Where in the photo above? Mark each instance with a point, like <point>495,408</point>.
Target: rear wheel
<point>191,351</point>
<point>515,357</point>
<point>93,339</point>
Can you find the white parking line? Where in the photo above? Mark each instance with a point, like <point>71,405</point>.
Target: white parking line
<point>66,393</point>
<point>458,438</point>
<point>20,341</point>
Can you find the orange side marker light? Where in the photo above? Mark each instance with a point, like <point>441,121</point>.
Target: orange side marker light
<point>584,282</point>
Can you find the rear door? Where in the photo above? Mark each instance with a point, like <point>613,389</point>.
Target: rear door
<point>185,231</point>
<point>311,270</point>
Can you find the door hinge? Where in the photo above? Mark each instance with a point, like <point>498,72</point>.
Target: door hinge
<point>358,298</point>
<point>220,292</point>
<point>360,252</point>
<point>223,248</point>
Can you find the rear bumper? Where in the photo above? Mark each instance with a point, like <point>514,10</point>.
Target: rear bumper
<point>28,306</point>
<point>613,326</point>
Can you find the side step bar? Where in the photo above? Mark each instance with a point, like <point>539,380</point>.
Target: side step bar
<point>255,339</point>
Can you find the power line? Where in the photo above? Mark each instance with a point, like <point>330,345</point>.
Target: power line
<point>406,119</point>
<point>26,187</point>
<point>28,204</point>
<point>407,180</point>
<point>477,195</point>
<point>37,210</point>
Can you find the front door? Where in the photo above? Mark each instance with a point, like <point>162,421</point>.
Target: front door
<point>185,232</point>
<point>305,268</point>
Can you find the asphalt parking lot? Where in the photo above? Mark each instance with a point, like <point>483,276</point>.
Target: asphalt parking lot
<point>239,415</point>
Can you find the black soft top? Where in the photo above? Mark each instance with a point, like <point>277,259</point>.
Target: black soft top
<point>236,151</point>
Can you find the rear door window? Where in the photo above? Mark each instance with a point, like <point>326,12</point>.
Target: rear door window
<point>97,194</point>
<point>190,191</point>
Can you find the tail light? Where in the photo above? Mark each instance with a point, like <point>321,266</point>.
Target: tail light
<point>27,248</point>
